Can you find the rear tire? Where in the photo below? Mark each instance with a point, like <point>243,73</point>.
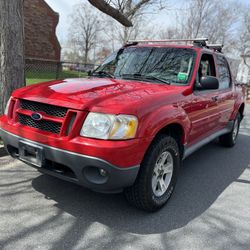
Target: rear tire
<point>157,176</point>
<point>229,140</point>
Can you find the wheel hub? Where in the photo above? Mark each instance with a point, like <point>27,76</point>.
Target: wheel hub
<point>162,174</point>
<point>235,129</point>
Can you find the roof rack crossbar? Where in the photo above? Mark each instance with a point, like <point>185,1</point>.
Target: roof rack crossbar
<point>197,40</point>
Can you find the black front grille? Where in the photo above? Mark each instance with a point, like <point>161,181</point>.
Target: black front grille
<point>47,108</point>
<point>49,126</point>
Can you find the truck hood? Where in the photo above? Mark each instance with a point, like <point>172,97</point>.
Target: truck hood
<point>98,94</point>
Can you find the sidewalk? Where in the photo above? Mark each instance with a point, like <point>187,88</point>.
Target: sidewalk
<point>2,150</point>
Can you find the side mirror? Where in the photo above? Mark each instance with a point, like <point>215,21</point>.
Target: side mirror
<point>208,82</point>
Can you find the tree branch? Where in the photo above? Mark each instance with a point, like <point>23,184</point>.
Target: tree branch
<point>111,11</point>
<point>138,6</point>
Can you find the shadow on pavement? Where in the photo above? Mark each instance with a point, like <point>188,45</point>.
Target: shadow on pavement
<point>203,178</point>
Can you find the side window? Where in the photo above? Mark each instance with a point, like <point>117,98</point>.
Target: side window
<point>223,73</point>
<point>206,67</point>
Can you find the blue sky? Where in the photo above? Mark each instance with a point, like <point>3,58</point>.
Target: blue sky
<point>64,8</point>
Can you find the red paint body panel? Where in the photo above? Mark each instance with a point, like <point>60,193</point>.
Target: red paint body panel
<point>119,153</point>
<point>100,95</point>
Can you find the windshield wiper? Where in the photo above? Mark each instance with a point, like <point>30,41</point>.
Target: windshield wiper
<point>102,73</point>
<point>149,77</point>
<point>133,76</point>
<point>144,77</point>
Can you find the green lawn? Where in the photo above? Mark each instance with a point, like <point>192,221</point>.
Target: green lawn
<point>36,77</point>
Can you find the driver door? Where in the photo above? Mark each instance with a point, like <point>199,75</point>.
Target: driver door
<point>205,113</point>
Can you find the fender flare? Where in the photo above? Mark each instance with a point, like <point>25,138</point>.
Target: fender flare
<point>154,122</point>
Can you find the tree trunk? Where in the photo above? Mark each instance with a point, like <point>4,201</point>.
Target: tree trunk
<point>86,52</point>
<point>125,35</point>
<point>86,56</point>
<point>11,49</point>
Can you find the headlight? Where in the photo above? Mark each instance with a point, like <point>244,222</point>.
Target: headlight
<point>113,127</point>
<point>7,107</point>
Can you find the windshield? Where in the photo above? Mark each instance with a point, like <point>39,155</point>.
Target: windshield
<point>163,65</point>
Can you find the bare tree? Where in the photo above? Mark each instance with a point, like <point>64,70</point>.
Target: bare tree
<point>213,19</point>
<point>245,38</point>
<point>138,12</point>
<point>135,12</point>
<point>85,24</point>
<point>246,30</point>
<point>197,13</point>
<point>223,18</point>
<point>11,49</point>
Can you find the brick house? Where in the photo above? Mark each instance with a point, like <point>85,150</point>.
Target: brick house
<point>40,23</point>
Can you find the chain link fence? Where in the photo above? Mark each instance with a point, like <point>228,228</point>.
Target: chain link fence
<point>37,70</point>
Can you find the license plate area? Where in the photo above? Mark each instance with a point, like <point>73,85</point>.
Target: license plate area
<point>31,153</point>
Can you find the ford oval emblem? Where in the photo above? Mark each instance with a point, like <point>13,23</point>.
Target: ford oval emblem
<point>36,116</point>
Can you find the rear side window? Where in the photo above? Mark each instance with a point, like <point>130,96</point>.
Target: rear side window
<point>224,76</point>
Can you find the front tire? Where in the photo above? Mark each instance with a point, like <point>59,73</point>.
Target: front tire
<point>157,176</point>
<point>229,140</point>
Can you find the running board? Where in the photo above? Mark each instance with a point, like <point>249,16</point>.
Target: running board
<point>189,150</point>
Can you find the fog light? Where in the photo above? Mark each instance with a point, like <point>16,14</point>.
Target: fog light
<point>102,172</point>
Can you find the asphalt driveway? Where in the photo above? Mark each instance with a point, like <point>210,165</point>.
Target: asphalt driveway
<point>210,208</point>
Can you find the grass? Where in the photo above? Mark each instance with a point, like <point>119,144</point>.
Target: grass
<point>36,77</point>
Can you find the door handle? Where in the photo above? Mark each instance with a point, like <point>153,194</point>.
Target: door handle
<point>215,98</point>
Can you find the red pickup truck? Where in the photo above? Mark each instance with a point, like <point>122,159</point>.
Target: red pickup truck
<point>128,126</point>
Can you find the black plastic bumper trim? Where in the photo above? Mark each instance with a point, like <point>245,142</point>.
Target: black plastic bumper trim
<point>117,178</point>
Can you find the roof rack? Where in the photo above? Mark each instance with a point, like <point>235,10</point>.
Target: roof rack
<point>196,41</point>
<point>216,47</point>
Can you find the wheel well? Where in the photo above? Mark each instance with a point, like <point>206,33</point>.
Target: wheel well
<point>241,110</point>
<point>177,132</point>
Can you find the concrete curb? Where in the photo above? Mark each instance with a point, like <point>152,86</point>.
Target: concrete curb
<point>2,151</point>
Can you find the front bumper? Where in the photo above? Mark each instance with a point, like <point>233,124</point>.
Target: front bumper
<point>74,167</point>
